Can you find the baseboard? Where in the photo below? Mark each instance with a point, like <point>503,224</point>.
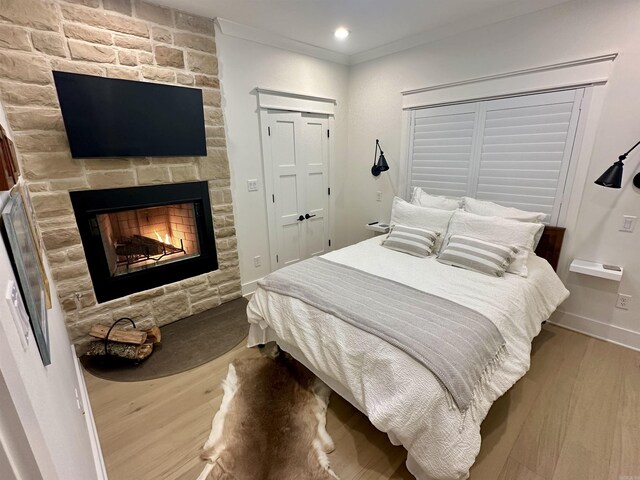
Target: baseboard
<point>249,287</point>
<point>101,469</point>
<point>594,328</point>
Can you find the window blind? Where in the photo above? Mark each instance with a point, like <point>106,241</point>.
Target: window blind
<point>513,151</point>
<point>442,149</point>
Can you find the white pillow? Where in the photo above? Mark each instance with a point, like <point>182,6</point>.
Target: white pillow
<point>490,209</point>
<point>404,213</point>
<point>498,230</point>
<point>423,199</point>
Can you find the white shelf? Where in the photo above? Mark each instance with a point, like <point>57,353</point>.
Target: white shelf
<point>378,227</point>
<point>595,270</point>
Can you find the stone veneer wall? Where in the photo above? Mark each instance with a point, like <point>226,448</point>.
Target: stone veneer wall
<point>121,39</point>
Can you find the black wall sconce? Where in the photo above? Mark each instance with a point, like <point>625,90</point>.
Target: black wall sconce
<point>612,177</point>
<point>379,163</point>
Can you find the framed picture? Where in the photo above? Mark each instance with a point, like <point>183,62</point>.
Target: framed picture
<point>8,165</point>
<point>24,257</point>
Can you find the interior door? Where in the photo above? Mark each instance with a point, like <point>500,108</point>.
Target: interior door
<point>299,152</point>
<point>314,152</point>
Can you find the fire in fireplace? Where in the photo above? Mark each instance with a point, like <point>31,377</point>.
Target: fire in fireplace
<point>148,237</point>
<point>143,237</point>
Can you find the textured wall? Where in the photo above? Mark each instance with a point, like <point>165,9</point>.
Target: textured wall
<point>120,39</point>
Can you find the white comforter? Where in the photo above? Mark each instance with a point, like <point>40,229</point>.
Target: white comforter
<point>398,394</point>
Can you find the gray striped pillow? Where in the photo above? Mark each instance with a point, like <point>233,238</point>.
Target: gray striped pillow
<point>411,240</point>
<point>478,255</point>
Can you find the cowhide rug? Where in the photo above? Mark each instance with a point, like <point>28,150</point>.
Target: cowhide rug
<point>271,424</point>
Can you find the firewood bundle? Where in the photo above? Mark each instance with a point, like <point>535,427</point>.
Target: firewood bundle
<point>133,344</point>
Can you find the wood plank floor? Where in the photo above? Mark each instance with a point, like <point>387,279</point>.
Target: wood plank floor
<point>575,415</point>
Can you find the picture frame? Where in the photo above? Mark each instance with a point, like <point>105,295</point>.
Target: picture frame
<point>9,171</point>
<point>23,251</point>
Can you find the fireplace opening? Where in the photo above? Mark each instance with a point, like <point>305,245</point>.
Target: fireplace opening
<point>143,237</point>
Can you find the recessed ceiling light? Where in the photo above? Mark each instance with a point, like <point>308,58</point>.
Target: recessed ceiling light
<point>341,33</point>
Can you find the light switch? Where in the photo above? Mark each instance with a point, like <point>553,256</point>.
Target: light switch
<point>18,312</point>
<point>628,223</point>
<point>252,185</point>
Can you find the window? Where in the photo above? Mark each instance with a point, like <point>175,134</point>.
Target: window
<point>513,151</point>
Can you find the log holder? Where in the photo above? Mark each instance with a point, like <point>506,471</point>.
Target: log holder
<point>106,338</point>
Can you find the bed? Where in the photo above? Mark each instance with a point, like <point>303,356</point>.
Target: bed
<point>398,394</point>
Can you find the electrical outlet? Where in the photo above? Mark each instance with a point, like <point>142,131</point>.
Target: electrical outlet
<point>257,261</point>
<point>252,185</point>
<point>624,301</point>
<point>628,223</point>
<point>378,196</point>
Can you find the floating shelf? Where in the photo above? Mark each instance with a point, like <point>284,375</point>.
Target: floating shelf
<point>595,270</point>
<point>378,227</point>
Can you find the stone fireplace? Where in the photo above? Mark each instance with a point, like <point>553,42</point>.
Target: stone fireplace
<point>134,40</point>
<point>138,238</point>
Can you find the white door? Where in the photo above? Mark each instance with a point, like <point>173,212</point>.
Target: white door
<point>298,145</point>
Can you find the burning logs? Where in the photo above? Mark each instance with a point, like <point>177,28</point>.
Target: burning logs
<point>137,245</point>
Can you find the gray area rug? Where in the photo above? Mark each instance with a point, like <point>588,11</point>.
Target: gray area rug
<point>186,344</point>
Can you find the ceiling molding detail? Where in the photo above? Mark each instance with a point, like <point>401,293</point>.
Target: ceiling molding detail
<point>233,29</point>
<point>485,18</point>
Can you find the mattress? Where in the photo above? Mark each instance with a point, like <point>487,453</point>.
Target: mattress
<point>399,395</point>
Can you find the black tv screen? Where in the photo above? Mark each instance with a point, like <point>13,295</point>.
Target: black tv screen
<point>106,117</point>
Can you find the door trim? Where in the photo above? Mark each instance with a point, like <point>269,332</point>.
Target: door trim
<point>269,99</point>
<point>295,103</point>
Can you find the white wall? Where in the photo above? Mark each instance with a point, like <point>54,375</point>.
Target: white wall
<point>573,30</point>
<point>243,66</point>
<point>41,427</point>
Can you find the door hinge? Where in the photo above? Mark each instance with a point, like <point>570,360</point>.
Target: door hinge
<point>277,259</point>
<point>328,133</point>
<point>329,242</point>
<point>329,191</point>
<point>269,131</point>
<point>273,198</point>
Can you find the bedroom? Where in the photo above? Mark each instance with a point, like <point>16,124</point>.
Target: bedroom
<point>570,416</point>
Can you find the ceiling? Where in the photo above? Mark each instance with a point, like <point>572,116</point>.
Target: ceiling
<point>373,23</point>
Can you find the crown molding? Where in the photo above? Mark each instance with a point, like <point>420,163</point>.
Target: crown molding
<point>488,17</point>
<point>233,29</point>
<point>483,19</point>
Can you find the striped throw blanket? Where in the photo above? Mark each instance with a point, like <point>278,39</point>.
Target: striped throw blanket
<point>458,345</point>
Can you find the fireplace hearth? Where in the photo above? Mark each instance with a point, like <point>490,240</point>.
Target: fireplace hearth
<point>143,237</point>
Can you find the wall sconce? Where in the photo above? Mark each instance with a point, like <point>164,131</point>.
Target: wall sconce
<point>380,164</point>
<point>612,177</point>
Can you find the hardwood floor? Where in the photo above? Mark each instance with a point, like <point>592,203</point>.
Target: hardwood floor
<point>575,415</point>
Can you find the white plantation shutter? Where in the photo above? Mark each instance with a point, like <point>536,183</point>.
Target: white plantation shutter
<point>441,149</point>
<point>512,151</point>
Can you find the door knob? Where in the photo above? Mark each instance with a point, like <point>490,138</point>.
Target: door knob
<point>300,218</point>
<point>307,216</point>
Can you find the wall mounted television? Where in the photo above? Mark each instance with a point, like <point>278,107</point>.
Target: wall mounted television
<point>107,117</point>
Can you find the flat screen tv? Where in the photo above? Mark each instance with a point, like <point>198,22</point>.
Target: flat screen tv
<point>106,117</point>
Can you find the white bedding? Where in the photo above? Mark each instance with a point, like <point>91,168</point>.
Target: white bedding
<point>399,395</point>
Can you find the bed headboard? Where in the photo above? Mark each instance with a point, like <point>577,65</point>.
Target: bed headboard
<point>551,244</point>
